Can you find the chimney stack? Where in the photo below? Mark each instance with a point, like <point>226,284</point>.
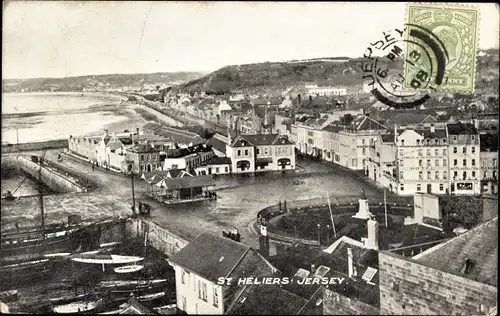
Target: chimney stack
<point>137,129</point>
<point>349,263</point>
<point>372,240</point>
<point>433,129</point>
<point>313,268</point>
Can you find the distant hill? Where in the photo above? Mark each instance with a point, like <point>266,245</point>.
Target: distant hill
<point>338,71</point>
<point>94,81</point>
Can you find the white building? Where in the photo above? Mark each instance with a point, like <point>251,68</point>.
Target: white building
<point>381,164</point>
<point>310,134</point>
<point>421,161</point>
<point>217,165</point>
<point>489,163</point>
<point>203,262</point>
<point>327,91</point>
<point>464,159</point>
<point>261,152</point>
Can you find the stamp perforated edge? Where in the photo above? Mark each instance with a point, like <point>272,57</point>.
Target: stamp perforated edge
<point>477,37</point>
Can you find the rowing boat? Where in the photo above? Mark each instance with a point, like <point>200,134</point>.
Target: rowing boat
<point>129,269</point>
<point>77,307</point>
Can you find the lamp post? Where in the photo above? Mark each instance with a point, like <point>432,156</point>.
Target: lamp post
<point>319,235</point>
<point>327,235</point>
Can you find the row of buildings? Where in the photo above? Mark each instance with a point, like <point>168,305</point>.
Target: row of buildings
<point>457,276</point>
<point>428,156</point>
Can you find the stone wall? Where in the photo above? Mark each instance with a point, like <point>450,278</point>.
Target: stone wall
<point>161,117</point>
<point>337,304</point>
<point>410,288</point>
<point>50,144</point>
<point>160,238</point>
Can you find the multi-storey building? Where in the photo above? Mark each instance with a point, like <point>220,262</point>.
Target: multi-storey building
<point>348,144</point>
<point>261,152</point>
<point>421,161</point>
<point>142,157</point>
<point>464,159</point>
<point>489,163</point>
<point>310,135</point>
<point>381,165</point>
<point>200,265</point>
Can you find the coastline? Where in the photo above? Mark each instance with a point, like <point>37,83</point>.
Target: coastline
<point>105,114</point>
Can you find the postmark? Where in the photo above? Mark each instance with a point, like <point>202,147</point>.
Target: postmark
<point>456,27</point>
<point>383,66</point>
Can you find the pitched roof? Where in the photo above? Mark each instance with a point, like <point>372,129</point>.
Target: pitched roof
<point>334,127</point>
<point>365,123</point>
<point>387,138</point>
<point>260,140</point>
<point>408,118</point>
<point>462,129</point>
<point>210,256</point>
<point>479,244</point>
<point>217,144</point>
<point>135,308</point>
<point>427,133</point>
<point>220,161</point>
<point>266,300</point>
<point>144,148</point>
<point>186,182</point>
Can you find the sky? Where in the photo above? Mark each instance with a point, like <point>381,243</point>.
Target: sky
<point>64,38</point>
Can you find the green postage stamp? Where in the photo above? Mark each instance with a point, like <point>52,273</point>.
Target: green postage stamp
<point>456,28</point>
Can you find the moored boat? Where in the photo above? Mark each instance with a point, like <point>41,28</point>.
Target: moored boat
<point>132,283</point>
<point>129,269</point>
<point>151,297</point>
<point>68,299</point>
<point>78,307</point>
<point>107,259</point>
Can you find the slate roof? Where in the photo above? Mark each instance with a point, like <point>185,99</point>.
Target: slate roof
<point>364,123</point>
<point>220,161</point>
<point>182,152</point>
<point>143,148</point>
<point>136,308</point>
<point>334,127</point>
<point>261,140</point>
<point>462,129</point>
<point>217,144</point>
<point>187,182</point>
<point>409,118</point>
<point>426,133</point>
<point>479,244</point>
<point>210,256</point>
<point>267,300</point>
<point>387,138</point>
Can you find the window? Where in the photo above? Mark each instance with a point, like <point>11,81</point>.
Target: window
<point>239,153</point>
<point>246,152</point>
<point>364,151</point>
<point>455,150</point>
<point>444,141</point>
<point>473,174</point>
<point>436,141</point>
<point>217,170</point>
<point>464,150</point>
<point>142,168</point>
<point>428,152</point>
<point>402,142</point>
<point>420,163</point>
<point>401,175</point>
<point>455,162</point>
<point>142,157</point>
<point>401,163</point>
<point>473,137</point>
<point>428,162</point>
<point>183,277</point>
<point>445,175</point>
<point>154,157</point>
<point>363,141</point>
<point>420,175</point>
<point>436,152</point>
<point>441,187</point>
<point>444,151</point>
<point>418,187</point>
<point>199,289</point>
<point>257,151</point>
<point>464,162</point>
<point>402,187</point>
<point>428,141</point>
<point>436,176</point>
<point>465,175</point>
<point>494,162</point>
<point>418,141</point>
<point>437,162</point>
<point>226,169</point>
<point>266,151</point>
<point>485,175</point>
<point>204,291</point>
<point>149,157</point>
<point>473,161</point>
<point>455,174</point>
<point>454,137</point>
<point>216,296</point>
<point>420,152</point>
<point>473,149</point>
<point>494,174</point>
<point>428,175</point>
<point>444,162</point>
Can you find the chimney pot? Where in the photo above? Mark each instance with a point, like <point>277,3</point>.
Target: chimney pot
<point>313,268</point>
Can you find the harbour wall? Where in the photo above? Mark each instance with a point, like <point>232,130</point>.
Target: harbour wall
<point>160,238</point>
<point>49,176</point>
<point>49,144</point>
<point>162,118</point>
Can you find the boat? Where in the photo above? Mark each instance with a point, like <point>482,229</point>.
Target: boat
<point>129,269</point>
<point>151,297</point>
<point>77,307</point>
<point>23,265</point>
<point>109,244</point>
<point>57,255</point>
<point>123,283</point>
<point>107,259</point>
<point>68,299</point>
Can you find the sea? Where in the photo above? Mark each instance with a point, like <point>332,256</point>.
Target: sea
<point>31,117</point>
